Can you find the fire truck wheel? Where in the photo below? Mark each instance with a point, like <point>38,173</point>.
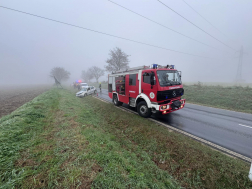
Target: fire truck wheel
<point>116,102</point>
<point>143,109</point>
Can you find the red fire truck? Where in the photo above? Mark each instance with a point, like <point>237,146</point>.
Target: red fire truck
<point>148,88</point>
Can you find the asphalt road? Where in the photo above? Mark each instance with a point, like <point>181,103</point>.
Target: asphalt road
<point>229,129</point>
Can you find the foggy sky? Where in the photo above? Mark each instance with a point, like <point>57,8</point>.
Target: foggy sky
<point>30,47</point>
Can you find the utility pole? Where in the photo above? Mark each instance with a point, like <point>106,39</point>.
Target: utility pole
<point>239,70</point>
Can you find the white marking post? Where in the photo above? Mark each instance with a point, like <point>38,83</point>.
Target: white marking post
<point>250,173</point>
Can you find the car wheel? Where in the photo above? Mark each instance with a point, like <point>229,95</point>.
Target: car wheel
<point>85,94</point>
<point>116,102</point>
<point>94,92</point>
<point>143,109</point>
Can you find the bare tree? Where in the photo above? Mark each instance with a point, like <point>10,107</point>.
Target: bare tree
<point>118,60</point>
<point>60,74</point>
<point>87,75</point>
<point>96,72</point>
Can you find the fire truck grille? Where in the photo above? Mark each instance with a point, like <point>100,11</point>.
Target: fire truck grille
<point>164,95</point>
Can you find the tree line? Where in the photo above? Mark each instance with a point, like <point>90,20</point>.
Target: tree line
<point>118,60</point>
<point>93,72</point>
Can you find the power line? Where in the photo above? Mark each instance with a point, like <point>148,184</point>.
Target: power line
<point>80,27</point>
<point>162,25</point>
<point>204,18</point>
<point>195,25</point>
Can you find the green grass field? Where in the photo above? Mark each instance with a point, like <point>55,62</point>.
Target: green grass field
<point>60,141</point>
<point>231,98</point>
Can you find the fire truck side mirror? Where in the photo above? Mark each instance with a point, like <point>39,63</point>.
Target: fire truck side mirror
<point>152,81</point>
<point>179,72</point>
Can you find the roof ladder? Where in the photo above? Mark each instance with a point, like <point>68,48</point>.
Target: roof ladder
<point>131,69</point>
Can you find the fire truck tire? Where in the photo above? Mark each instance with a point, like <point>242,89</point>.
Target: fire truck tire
<point>143,109</point>
<point>116,102</point>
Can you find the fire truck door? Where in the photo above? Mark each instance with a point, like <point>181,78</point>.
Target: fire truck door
<point>147,88</point>
<point>132,84</point>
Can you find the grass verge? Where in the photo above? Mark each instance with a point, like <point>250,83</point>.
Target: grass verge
<point>18,132</point>
<point>60,141</point>
<point>191,163</point>
<point>65,146</point>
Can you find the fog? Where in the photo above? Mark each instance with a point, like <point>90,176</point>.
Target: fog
<point>30,47</point>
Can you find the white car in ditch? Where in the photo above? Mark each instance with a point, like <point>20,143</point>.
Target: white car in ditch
<point>86,91</point>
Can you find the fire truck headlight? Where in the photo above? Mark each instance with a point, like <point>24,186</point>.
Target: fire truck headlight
<point>164,107</point>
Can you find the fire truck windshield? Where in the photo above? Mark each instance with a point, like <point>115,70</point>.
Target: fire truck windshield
<point>168,77</point>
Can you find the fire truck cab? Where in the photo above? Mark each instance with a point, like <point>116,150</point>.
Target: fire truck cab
<point>150,89</point>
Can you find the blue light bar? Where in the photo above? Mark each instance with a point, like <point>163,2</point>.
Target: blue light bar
<point>154,66</point>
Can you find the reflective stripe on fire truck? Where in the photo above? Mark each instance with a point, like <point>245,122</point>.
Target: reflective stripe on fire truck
<point>140,81</point>
<point>146,98</point>
<point>156,106</point>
